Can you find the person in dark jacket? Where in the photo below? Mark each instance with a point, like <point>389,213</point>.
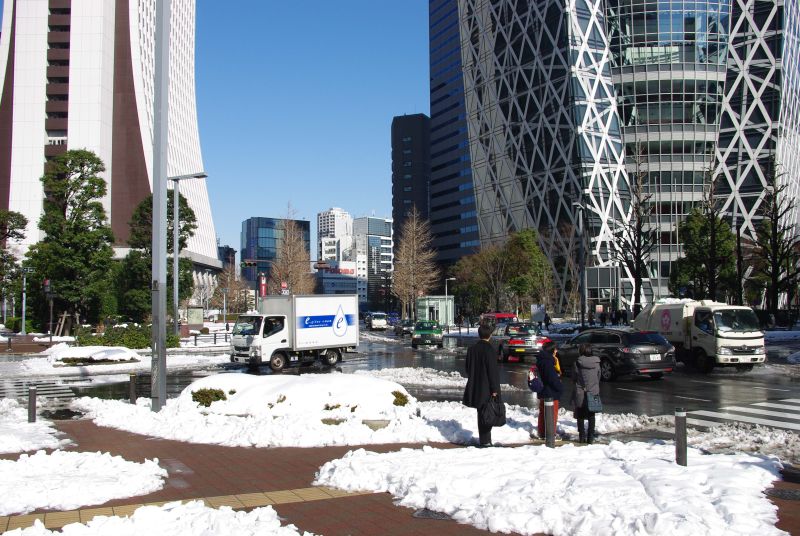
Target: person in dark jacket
<point>483,379</point>
<point>546,364</point>
<point>586,373</point>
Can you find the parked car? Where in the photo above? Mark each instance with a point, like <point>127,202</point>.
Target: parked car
<point>427,332</point>
<point>403,327</point>
<point>622,351</point>
<point>376,321</point>
<point>518,341</point>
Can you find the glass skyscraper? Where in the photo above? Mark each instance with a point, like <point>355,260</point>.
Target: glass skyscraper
<point>261,242</point>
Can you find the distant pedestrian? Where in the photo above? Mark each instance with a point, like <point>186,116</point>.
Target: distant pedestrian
<point>547,322</point>
<point>625,316</point>
<point>586,373</point>
<point>591,318</point>
<point>483,379</point>
<point>546,363</point>
<point>603,319</point>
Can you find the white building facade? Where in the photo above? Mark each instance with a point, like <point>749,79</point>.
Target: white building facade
<point>80,75</point>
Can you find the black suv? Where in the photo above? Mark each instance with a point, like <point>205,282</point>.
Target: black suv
<point>622,351</point>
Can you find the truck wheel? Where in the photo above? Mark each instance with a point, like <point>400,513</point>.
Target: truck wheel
<point>607,372</point>
<point>332,357</point>
<point>277,361</point>
<point>703,363</point>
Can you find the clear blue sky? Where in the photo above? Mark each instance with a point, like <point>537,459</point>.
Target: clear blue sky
<point>295,102</point>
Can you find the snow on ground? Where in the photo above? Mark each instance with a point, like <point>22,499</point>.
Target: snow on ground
<point>69,480</point>
<point>735,437</point>
<point>374,337</point>
<point>19,435</point>
<point>56,354</point>
<point>313,410</point>
<point>46,338</point>
<point>426,377</point>
<point>617,489</point>
<point>175,519</point>
<point>47,366</point>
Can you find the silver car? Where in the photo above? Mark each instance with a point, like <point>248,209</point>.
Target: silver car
<point>518,341</point>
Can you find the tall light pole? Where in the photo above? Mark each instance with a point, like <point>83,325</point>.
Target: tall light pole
<point>581,261</point>
<point>176,248</point>
<point>158,379</point>
<point>225,306</point>
<point>446,302</point>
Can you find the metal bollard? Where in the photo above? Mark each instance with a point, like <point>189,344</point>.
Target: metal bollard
<point>680,436</point>
<point>31,404</point>
<point>549,425</point>
<point>195,340</point>
<point>9,344</point>
<point>215,338</point>
<point>132,388</point>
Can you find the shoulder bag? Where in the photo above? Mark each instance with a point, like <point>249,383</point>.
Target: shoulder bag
<point>493,413</point>
<point>593,403</point>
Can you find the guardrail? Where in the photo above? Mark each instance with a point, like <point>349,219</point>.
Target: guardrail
<point>213,338</point>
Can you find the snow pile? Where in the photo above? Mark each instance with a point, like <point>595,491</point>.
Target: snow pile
<point>372,337</point>
<point>617,489</point>
<point>175,519</point>
<point>49,364</point>
<point>319,410</point>
<point>426,377</point>
<point>18,435</point>
<point>69,480</point>
<point>739,437</point>
<point>59,352</point>
<point>47,338</point>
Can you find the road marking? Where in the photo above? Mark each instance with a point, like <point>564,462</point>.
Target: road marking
<point>776,406</point>
<point>701,422</point>
<point>700,381</point>
<point>751,420</point>
<point>690,398</point>
<point>771,389</point>
<point>757,411</point>
<point>516,372</point>
<point>631,390</point>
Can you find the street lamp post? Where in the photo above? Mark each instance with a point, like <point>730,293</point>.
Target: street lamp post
<point>176,248</point>
<point>581,261</point>
<point>25,272</point>
<point>446,302</point>
<point>225,305</point>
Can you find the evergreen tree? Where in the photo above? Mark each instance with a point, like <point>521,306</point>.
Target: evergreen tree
<point>76,251</point>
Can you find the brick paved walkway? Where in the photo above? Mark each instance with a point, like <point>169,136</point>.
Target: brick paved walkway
<point>248,477</point>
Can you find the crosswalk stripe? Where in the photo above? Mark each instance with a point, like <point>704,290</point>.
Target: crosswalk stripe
<point>757,411</point>
<point>776,406</point>
<point>751,420</point>
<point>701,422</point>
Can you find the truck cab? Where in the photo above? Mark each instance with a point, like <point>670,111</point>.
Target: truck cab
<point>256,335</point>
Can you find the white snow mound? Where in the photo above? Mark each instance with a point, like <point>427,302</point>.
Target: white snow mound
<point>19,435</point>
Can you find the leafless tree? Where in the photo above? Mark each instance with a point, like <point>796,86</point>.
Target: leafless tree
<point>293,265</point>
<point>415,271</point>
<point>236,301</point>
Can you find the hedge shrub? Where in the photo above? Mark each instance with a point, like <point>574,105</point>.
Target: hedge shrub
<point>133,336</point>
<point>205,397</point>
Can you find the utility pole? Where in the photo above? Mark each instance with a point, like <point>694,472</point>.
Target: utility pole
<point>25,272</point>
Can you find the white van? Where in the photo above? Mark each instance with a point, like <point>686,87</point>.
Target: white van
<point>707,333</point>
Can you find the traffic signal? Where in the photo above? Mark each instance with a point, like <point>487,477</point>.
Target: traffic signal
<point>245,264</point>
<point>46,286</point>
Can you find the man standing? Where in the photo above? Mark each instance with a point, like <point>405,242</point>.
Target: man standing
<point>483,379</point>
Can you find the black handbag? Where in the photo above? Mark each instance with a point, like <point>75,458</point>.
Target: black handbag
<point>593,403</point>
<point>493,412</point>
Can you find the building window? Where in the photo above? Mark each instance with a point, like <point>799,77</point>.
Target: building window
<point>406,176</point>
<point>407,139</point>
<point>406,164</point>
<point>406,188</point>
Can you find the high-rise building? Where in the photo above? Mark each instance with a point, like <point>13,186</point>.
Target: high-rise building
<point>80,75</point>
<point>334,234</point>
<point>453,214</point>
<point>261,243</point>
<point>411,167</point>
<point>374,247</point>
<point>566,101</point>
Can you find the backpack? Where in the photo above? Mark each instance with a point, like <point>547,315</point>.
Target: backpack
<point>534,380</point>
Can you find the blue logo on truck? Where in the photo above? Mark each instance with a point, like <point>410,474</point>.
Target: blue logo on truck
<point>338,322</point>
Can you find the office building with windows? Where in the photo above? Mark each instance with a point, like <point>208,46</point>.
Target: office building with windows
<point>334,234</point>
<point>374,245</point>
<point>453,214</point>
<point>568,101</point>
<point>261,240</point>
<point>411,167</point>
<point>80,75</point>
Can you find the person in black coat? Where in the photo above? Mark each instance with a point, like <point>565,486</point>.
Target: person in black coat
<point>546,363</point>
<point>483,379</point>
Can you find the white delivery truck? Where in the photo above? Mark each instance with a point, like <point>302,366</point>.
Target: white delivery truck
<point>293,330</point>
<point>706,333</point>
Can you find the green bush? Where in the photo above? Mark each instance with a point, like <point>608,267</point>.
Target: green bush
<point>400,399</point>
<point>205,397</point>
<point>133,336</point>
<point>15,324</point>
